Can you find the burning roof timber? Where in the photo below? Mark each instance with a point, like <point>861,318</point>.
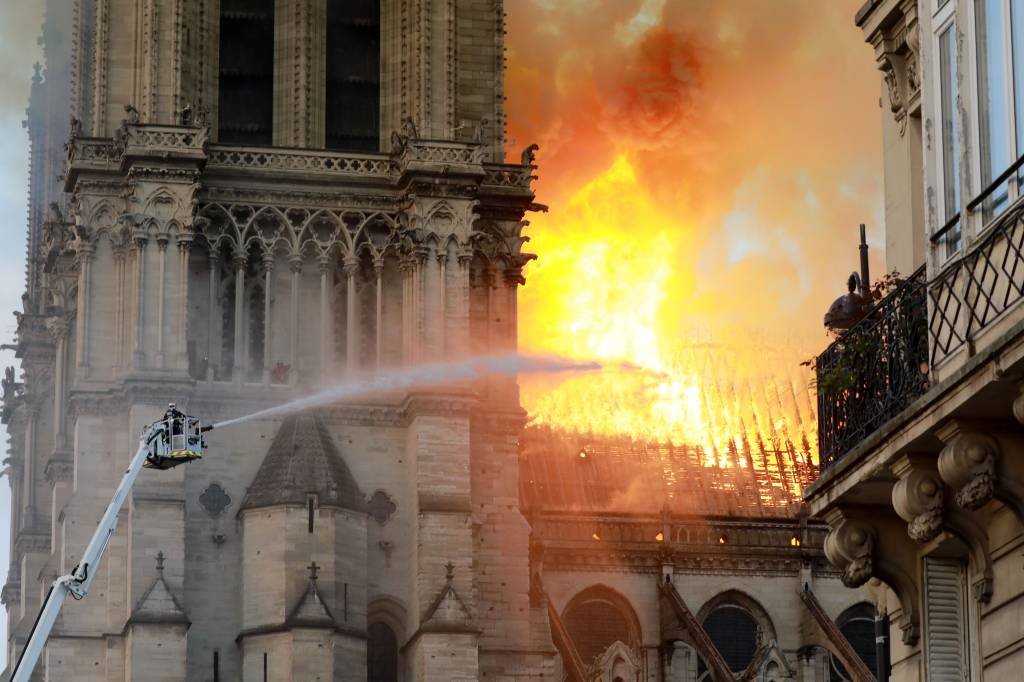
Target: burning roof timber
<point>562,471</point>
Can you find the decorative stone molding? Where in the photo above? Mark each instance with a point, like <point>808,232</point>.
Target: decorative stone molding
<point>920,500</point>
<point>918,497</point>
<point>968,465</point>
<point>850,545</point>
<point>892,28</point>
<point>871,542</point>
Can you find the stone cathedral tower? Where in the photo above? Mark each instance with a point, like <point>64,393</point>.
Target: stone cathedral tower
<point>256,198</point>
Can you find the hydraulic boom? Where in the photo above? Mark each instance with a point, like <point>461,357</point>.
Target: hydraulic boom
<point>175,439</point>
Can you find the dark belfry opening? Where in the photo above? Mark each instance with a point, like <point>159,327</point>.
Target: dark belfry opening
<point>246,109</point>
<point>353,75</point>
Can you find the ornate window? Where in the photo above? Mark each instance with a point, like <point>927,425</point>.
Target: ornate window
<point>857,624</point>
<point>246,105</point>
<point>352,113</point>
<point>738,626</point>
<point>597,619</point>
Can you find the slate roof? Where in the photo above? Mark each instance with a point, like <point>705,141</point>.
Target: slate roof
<point>619,475</point>
<point>303,459</point>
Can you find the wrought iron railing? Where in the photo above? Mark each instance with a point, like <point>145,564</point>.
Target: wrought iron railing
<point>972,291</point>
<point>874,370</point>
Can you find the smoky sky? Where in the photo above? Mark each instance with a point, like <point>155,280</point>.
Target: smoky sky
<point>20,24</point>
<point>754,126</point>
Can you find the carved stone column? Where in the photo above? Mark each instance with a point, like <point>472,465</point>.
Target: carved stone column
<point>295,267</point>
<point>140,239</point>
<point>85,254</point>
<point>58,330</point>
<point>442,304</point>
<point>268,282</point>
<point>213,258</point>
<point>352,327</point>
<point>161,295</point>
<point>324,265</point>
<point>299,76</point>
<point>378,273</point>
<point>184,242</point>
<point>120,316</point>
<point>238,363</point>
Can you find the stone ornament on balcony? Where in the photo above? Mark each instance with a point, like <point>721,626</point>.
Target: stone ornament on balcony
<point>977,462</point>
<point>918,498</point>
<point>968,465</point>
<point>850,546</point>
<point>866,543</point>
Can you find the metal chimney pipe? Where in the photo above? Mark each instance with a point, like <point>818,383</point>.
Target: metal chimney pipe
<point>865,277</point>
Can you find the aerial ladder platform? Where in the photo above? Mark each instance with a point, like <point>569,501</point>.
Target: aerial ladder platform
<point>173,440</point>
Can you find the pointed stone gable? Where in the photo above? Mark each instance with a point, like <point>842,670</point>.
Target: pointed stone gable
<point>311,611</point>
<point>304,460</point>
<point>158,605</point>
<point>448,608</point>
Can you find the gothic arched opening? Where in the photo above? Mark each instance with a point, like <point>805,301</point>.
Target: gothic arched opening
<point>381,653</point>
<point>597,618</point>
<point>737,625</point>
<point>857,624</point>
<point>246,98</point>
<point>352,114</point>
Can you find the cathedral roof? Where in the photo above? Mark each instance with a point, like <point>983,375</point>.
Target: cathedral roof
<point>568,472</point>
<point>304,460</point>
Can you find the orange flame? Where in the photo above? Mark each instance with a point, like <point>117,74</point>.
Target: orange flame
<point>706,164</point>
<point>608,293</point>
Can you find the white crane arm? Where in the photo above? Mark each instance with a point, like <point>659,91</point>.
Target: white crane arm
<point>157,446</point>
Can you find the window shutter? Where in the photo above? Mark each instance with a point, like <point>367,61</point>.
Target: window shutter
<point>946,619</point>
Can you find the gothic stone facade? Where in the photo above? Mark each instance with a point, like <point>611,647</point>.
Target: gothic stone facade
<point>259,198</point>
<point>235,226</point>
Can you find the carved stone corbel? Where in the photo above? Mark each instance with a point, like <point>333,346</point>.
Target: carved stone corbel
<point>974,465</point>
<point>867,543</point>
<point>920,498</point>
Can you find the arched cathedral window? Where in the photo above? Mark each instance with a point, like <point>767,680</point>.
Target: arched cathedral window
<point>246,106</point>
<point>352,115</point>
<point>734,632</point>
<point>598,619</point>
<point>738,626</point>
<point>857,624</point>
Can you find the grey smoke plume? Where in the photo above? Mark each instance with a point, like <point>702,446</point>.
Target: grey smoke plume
<point>434,374</point>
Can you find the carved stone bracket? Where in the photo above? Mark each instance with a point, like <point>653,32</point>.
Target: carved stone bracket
<point>895,37</point>
<point>869,542</point>
<point>974,465</point>
<point>920,498</point>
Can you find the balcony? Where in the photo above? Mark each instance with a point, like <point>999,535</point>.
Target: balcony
<point>873,371</point>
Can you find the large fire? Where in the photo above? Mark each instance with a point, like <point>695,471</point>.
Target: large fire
<point>703,206</point>
<point>613,289</point>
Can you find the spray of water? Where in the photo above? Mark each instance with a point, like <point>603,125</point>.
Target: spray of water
<point>424,375</point>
